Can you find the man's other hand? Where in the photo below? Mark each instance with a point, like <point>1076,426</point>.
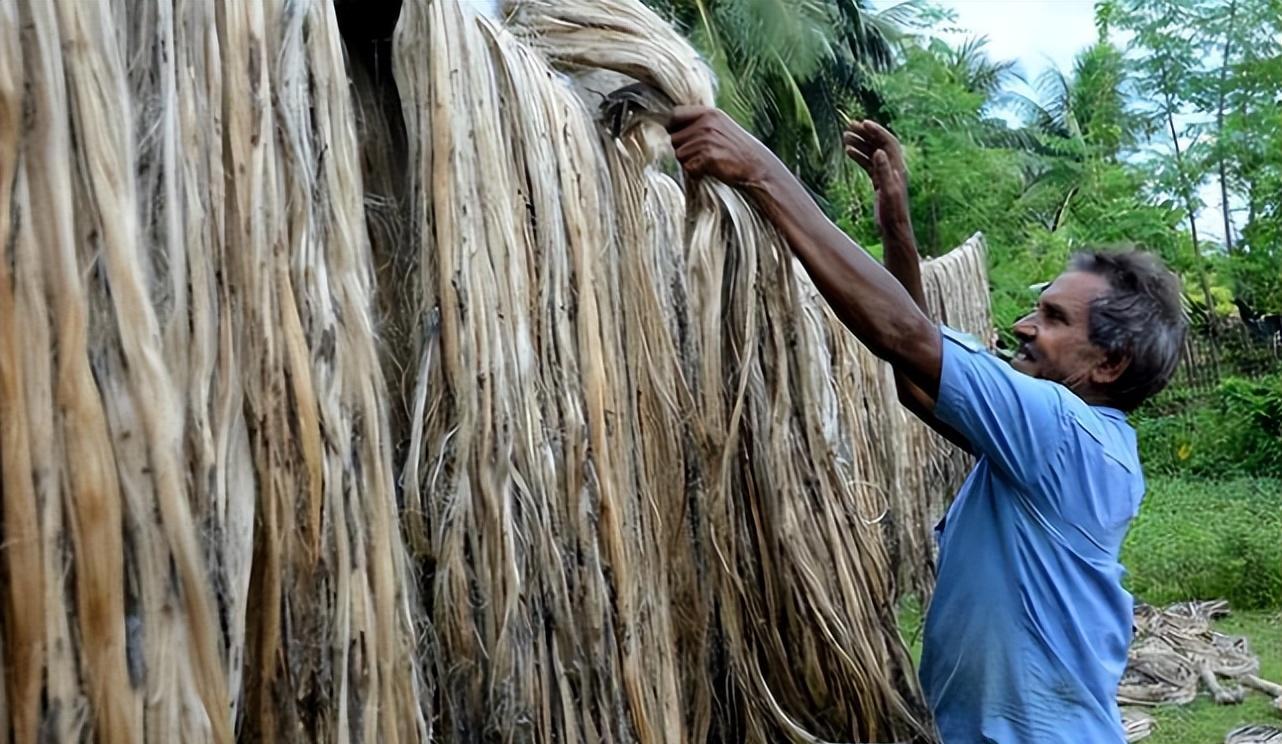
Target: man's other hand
<point>709,143</point>
<point>879,154</point>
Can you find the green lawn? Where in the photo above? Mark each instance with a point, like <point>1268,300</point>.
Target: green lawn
<point>1199,539</point>
<point>1202,539</point>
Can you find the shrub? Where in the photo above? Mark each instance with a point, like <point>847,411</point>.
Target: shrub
<point>1235,431</point>
<point>1201,539</point>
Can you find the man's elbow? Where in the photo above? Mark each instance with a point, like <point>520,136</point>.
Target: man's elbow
<point>907,339</point>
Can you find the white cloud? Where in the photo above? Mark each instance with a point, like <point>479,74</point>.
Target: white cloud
<point>1034,33</point>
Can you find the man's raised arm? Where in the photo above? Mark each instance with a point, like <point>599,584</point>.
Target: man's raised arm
<point>865,297</point>
<point>879,154</point>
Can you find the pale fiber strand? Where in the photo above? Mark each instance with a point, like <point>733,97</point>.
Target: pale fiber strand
<point>24,606</point>
<point>91,496</point>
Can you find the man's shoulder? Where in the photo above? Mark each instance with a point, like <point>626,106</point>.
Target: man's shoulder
<point>1034,391</point>
<point>1105,431</point>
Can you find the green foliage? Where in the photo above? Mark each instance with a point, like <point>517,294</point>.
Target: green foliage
<point>788,69</point>
<point>936,102</point>
<point>1237,432</point>
<point>1111,153</point>
<point>1039,193</point>
<point>1207,539</point>
<point>1256,274</point>
<point>1216,68</point>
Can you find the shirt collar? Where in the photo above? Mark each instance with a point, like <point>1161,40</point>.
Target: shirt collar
<point>1111,412</point>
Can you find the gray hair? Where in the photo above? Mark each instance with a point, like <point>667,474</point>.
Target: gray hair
<point>1141,318</point>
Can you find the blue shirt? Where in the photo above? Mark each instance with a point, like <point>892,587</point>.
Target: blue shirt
<point>1026,636</point>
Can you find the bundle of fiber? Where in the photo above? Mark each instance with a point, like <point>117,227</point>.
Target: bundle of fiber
<point>523,468</point>
<point>800,577</point>
<point>1137,725</point>
<point>1156,674</point>
<point>928,469</point>
<point>199,523</point>
<point>1176,650</point>
<point>646,472</point>
<point>1254,734</point>
<point>329,630</point>
<point>109,603</point>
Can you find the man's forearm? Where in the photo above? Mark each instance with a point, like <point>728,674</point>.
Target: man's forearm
<point>903,261</point>
<point>865,297</point>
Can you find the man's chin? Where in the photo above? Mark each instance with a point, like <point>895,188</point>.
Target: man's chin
<point>1025,366</point>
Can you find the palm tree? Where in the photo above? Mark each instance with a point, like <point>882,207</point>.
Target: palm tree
<point>790,69</point>
<point>1077,119</point>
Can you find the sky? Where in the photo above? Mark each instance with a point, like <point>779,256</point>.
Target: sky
<point>1034,33</point>
<point>1039,33</point>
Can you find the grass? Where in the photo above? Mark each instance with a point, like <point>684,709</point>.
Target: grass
<point>1199,539</point>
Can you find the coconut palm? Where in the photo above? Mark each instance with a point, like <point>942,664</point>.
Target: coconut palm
<point>1078,119</point>
<point>791,69</point>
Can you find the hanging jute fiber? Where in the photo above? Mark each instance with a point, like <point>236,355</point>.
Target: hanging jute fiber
<point>360,386</point>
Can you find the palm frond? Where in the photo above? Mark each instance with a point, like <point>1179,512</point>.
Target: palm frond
<point>979,72</point>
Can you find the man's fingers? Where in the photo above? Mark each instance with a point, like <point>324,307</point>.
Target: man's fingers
<point>687,150</point>
<point>859,145</point>
<point>684,116</point>
<point>881,166</point>
<point>861,158</point>
<point>882,172</point>
<point>881,136</point>
<point>858,149</point>
<point>852,134</point>
<point>695,166</point>
<point>853,140</point>
<point>683,135</point>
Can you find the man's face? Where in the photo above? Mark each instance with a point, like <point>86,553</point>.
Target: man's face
<point>1055,338</point>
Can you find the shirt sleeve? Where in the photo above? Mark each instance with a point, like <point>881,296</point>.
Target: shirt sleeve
<point>1014,419</point>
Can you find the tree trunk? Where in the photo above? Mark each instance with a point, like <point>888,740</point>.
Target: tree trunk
<point>1219,118</point>
<point>1199,262</point>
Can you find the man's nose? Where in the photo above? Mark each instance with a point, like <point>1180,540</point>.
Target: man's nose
<point>1025,329</point>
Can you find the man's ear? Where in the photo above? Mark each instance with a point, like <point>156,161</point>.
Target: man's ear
<point>1110,368</point>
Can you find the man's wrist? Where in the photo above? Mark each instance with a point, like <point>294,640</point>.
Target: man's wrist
<point>770,189</point>
<point>770,176</point>
<point>899,234</point>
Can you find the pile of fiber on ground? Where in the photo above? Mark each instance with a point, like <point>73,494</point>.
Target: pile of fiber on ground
<point>1137,724</point>
<point>1176,652</point>
<point>1254,734</point>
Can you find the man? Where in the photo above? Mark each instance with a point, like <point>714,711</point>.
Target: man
<point>1026,636</point>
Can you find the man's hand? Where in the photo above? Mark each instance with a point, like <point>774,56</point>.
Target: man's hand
<point>879,154</point>
<point>709,143</point>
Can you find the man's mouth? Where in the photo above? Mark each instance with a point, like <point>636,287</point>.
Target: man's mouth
<point>1023,354</point>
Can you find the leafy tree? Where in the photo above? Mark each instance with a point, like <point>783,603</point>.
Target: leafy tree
<point>1244,144</point>
<point>790,69</point>
<point>1112,151</point>
<point>1168,50</point>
